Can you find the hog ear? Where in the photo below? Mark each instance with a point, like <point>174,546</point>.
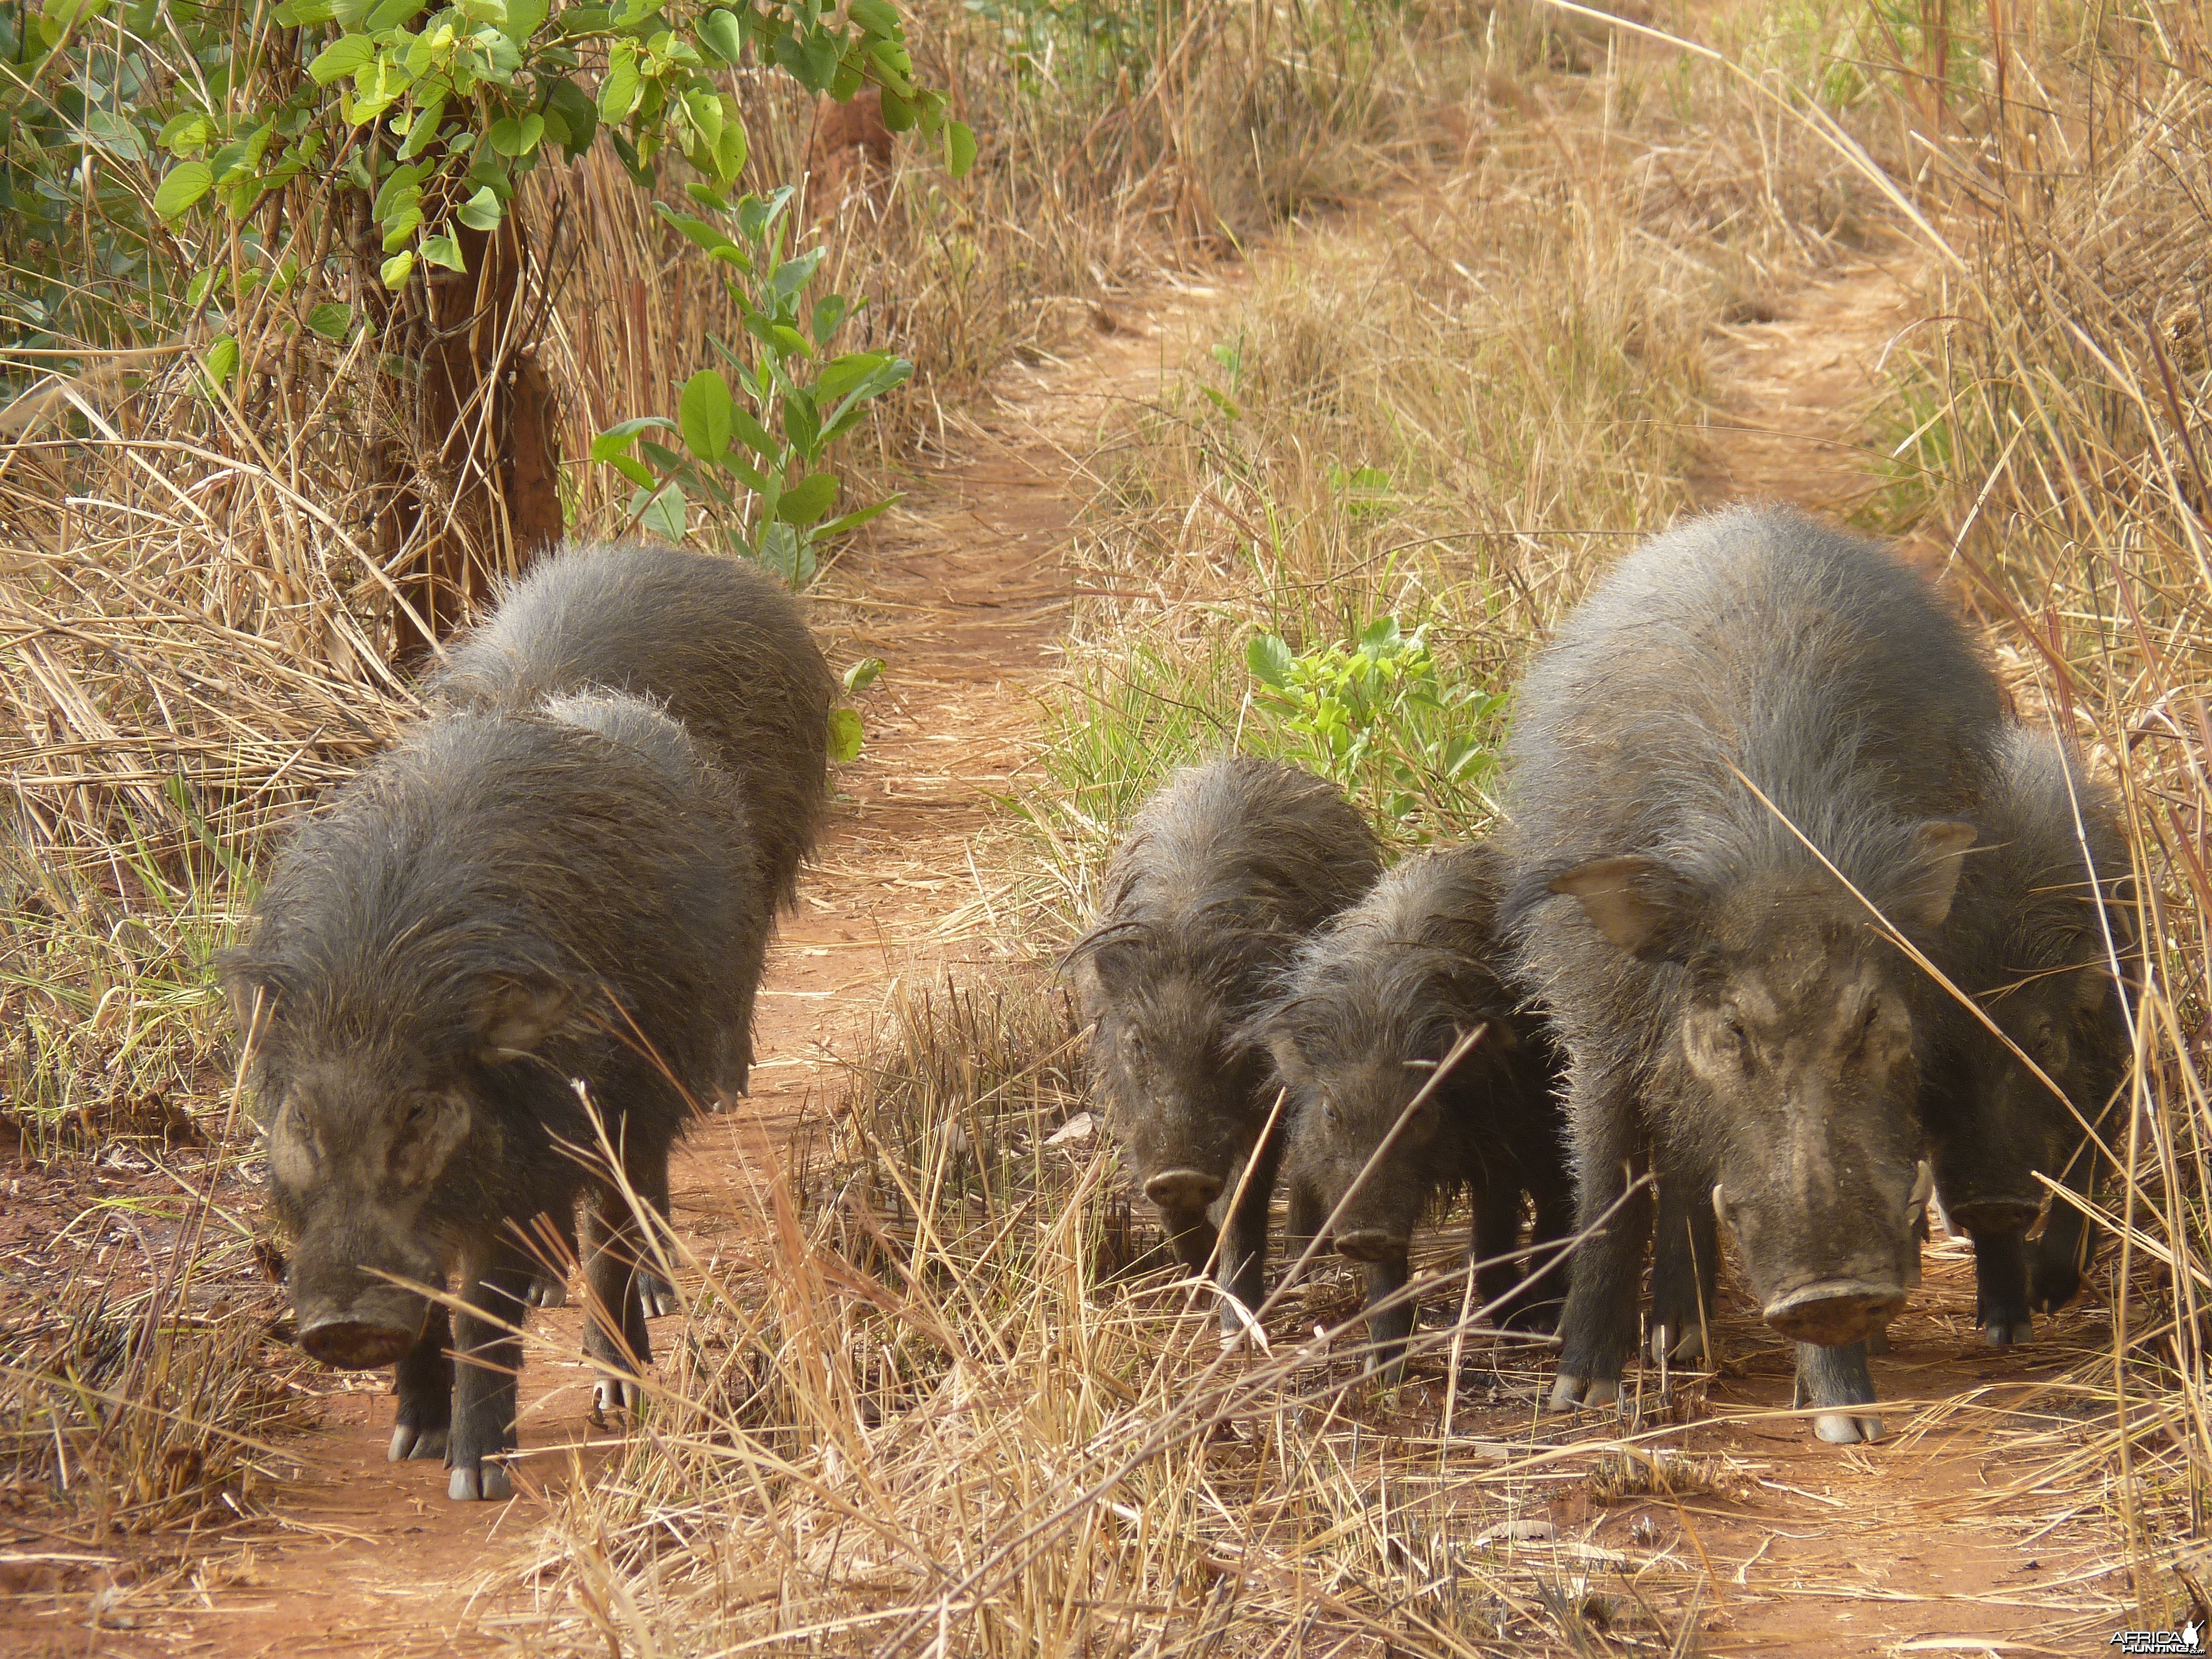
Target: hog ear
<point>514,1017</point>
<point>246,982</point>
<point>1927,901</point>
<point>1639,903</point>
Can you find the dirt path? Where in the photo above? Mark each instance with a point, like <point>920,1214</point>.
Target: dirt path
<point>963,594</point>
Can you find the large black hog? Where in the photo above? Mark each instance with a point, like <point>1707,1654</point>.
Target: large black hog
<point>503,905</point>
<point>2038,928</point>
<point>1734,1018</point>
<point>1223,874</point>
<point>718,643</point>
<point>1374,1002</point>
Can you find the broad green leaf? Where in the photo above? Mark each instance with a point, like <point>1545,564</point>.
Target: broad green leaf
<point>524,19</point>
<point>185,186</point>
<point>959,148</point>
<point>305,14</point>
<point>398,269</point>
<point>200,285</point>
<point>186,134</point>
<point>845,736</point>
<point>331,320</point>
<point>220,361</point>
<point>399,179</point>
<point>805,501</point>
<point>425,131</point>
<point>876,17</point>
<point>783,550</point>
<point>898,114</point>
<point>756,435</point>
<point>1227,405</point>
<point>665,513</point>
<point>347,55</point>
<point>839,525</point>
<point>391,14</point>
<point>1270,660</point>
<point>534,131</point>
<point>444,251</point>
<point>481,211</point>
<point>622,87</point>
<point>710,237</point>
<point>863,674</point>
<point>579,116</point>
<point>633,469</point>
<point>720,34</point>
<point>841,375</point>
<point>506,135</point>
<point>704,411</point>
<point>401,226</point>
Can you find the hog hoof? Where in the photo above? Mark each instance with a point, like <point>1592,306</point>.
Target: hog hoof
<point>409,1441</point>
<point>1688,1349</point>
<point>546,1291</point>
<point>619,1394</point>
<point>1588,1394</point>
<point>489,1482</point>
<point>656,1297</point>
<point>1998,1334</point>
<point>1840,1429</point>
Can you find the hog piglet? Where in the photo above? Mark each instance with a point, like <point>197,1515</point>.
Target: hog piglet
<point>503,907</point>
<point>1224,872</point>
<point>1374,1003</point>
<point>1754,728</point>
<point>2039,928</point>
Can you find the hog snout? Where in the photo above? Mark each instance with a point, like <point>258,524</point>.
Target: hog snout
<point>1370,1244</point>
<point>354,1345</point>
<point>1995,1215</point>
<point>1836,1310</point>
<point>1838,1300</point>
<point>1183,1189</point>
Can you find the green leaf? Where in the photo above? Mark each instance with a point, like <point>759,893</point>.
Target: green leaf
<point>481,211</point>
<point>616,439</point>
<point>398,269</point>
<point>524,19</point>
<point>305,14</point>
<point>805,501</point>
<point>579,116</point>
<point>185,186</point>
<point>842,374</point>
<point>898,114</point>
<point>876,17</point>
<point>623,86</point>
<point>633,469</point>
<point>400,230</point>
<point>863,674</point>
<point>665,513</point>
<point>198,290</point>
<point>838,527</point>
<point>344,56</point>
<point>959,148</point>
<point>391,14</point>
<point>1270,660</point>
<point>829,316</point>
<point>444,251</point>
<point>399,179</point>
<point>331,320</point>
<point>425,131</point>
<point>1225,405</point>
<point>506,135</point>
<point>220,361</point>
<point>704,412</point>
<point>783,550</point>
<point>719,33</point>
<point>846,734</point>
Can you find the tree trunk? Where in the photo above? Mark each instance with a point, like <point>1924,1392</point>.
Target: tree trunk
<point>473,482</point>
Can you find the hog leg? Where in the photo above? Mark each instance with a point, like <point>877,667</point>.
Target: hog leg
<point>549,1285</point>
<point>614,1335</point>
<point>1243,1266</point>
<point>1598,1329</point>
<point>489,1357</point>
<point>1555,1220</point>
<point>1307,1213</point>
<point>2001,1288</point>
<point>1389,1329</point>
<point>2058,1257</point>
<point>1500,1266</point>
<point>423,1380</point>
<point>1836,1376</point>
<point>1685,1267</point>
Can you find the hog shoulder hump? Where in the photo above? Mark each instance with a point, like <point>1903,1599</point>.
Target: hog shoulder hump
<point>1748,713</point>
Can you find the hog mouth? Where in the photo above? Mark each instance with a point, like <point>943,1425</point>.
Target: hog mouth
<point>1993,1214</point>
<point>1183,1188</point>
<point>354,1345</point>
<point>1371,1244</point>
<point>1834,1311</point>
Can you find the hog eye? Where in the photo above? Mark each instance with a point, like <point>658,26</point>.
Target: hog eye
<point>420,1110</point>
<point>2046,1041</point>
<point>1328,1112</point>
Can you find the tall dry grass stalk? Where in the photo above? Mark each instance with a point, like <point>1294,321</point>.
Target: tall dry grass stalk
<point>2055,422</point>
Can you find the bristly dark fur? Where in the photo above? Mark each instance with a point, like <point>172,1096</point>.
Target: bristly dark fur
<point>1378,990</point>
<point>2042,919</point>
<point>716,641</point>
<point>505,905</point>
<point>1753,644</point>
<point>1223,874</point>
